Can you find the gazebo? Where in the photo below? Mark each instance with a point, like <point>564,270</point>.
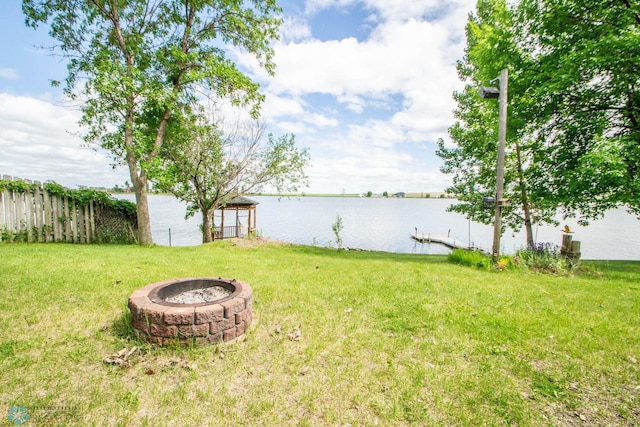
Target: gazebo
<point>243,222</point>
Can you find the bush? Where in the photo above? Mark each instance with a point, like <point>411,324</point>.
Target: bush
<point>543,257</point>
<point>469,258</point>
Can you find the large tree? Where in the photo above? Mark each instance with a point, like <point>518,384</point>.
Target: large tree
<point>491,46</point>
<point>573,140</point>
<point>136,64</point>
<point>587,93</point>
<point>208,163</point>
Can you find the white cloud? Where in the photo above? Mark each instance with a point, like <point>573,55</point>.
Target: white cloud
<point>294,29</point>
<point>9,74</point>
<point>415,59</point>
<point>297,128</point>
<point>320,120</point>
<point>406,67</point>
<point>276,106</point>
<point>398,56</point>
<point>376,134</point>
<point>372,156</point>
<point>369,110</point>
<point>374,170</point>
<point>353,102</point>
<point>37,143</point>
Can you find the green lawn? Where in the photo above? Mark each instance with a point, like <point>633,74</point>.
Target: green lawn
<point>385,339</point>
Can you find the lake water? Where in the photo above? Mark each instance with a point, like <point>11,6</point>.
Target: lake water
<point>386,225</point>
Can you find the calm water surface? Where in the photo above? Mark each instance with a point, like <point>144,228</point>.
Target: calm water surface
<point>386,224</point>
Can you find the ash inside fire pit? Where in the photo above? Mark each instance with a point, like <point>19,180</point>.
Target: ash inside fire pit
<point>197,296</point>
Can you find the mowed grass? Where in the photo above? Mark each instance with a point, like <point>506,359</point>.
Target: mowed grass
<point>339,338</point>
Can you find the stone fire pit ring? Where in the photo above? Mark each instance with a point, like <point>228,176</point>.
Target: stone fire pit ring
<point>209,310</point>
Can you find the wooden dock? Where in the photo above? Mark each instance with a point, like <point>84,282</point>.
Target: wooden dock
<point>449,242</point>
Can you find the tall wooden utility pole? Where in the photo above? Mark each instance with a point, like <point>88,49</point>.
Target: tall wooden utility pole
<point>500,201</point>
<point>502,139</point>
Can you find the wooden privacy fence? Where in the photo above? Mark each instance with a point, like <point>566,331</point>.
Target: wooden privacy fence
<point>31,213</point>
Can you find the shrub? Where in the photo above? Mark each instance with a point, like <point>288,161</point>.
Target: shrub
<point>543,257</point>
<point>469,258</point>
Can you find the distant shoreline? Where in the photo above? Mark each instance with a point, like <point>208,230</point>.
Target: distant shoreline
<point>424,195</point>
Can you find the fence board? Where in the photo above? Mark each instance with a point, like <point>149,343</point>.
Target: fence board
<point>2,215</point>
<point>19,211</point>
<point>55,214</point>
<point>79,223</point>
<point>12,212</point>
<point>7,201</point>
<point>28,214</point>
<point>92,213</point>
<point>87,228</point>
<point>48,223</point>
<point>8,205</point>
<point>38,211</point>
<point>73,225</point>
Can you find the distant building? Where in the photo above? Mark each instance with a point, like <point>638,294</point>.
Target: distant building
<point>400,194</point>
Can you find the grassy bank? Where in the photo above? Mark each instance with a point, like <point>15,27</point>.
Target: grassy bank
<point>339,338</point>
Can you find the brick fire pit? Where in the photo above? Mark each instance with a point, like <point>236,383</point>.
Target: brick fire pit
<point>200,310</point>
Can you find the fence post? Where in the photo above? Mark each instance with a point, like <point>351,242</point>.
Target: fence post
<point>570,248</point>
<point>566,244</point>
<point>575,249</point>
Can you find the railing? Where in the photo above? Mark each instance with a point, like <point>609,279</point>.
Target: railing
<point>229,232</point>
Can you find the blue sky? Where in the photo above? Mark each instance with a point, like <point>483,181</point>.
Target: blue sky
<point>366,85</point>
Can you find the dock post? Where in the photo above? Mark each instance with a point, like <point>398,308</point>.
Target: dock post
<point>570,248</point>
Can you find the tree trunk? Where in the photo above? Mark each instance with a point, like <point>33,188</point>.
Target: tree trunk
<point>139,181</point>
<point>142,210</point>
<point>207,236</point>
<point>527,219</point>
<point>526,208</point>
<point>140,189</point>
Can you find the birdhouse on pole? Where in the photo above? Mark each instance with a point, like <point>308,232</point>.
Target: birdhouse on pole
<point>489,92</point>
